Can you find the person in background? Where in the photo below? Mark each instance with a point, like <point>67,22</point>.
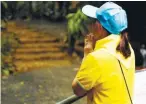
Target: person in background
<point>143,52</point>
<point>107,52</point>
<point>138,56</point>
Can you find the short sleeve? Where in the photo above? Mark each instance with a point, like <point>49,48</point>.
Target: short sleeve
<point>88,74</point>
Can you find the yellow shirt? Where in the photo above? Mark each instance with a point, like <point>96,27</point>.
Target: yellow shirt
<point>101,72</point>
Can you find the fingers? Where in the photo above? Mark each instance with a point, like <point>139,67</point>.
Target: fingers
<point>89,38</point>
<point>88,44</point>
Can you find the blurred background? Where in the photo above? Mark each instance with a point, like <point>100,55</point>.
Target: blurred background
<point>42,46</point>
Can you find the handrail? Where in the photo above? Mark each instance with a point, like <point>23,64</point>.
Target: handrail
<point>70,99</point>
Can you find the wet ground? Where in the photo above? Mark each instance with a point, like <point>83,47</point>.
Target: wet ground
<point>45,86</point>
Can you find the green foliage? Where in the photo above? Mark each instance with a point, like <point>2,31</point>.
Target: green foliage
<point>38,7</point>
<point>8,44</point>
<point>3,25</point>
<point>35,9</point>
<point>75,22</point>
<point>4,4</point>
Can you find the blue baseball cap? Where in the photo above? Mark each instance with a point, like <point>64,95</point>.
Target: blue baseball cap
<point>110,15</point>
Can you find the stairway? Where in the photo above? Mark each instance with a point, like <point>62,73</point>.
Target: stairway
<point>37,49</point>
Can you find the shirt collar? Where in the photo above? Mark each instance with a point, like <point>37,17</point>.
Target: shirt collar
<point>110,41</point>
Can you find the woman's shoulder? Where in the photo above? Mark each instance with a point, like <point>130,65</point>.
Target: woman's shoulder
<point>100,54</point>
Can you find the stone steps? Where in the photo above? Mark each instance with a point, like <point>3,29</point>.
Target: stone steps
<point>37,50</point>
<point>41,45</point>
<point>40,56</point>
<point>30,65</point>
<point>42,39</point>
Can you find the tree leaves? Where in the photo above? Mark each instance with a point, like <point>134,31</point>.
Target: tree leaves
<point>5,5</point>
<point>8,43</point>
<point>75,22</point>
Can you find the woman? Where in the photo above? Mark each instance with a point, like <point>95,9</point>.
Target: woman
<point>107,53</point>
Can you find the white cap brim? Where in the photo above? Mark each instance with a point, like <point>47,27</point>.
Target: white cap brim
<point>90,11</point>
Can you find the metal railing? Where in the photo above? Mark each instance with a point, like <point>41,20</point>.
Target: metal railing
<point>70,99</point>
<point>74,98</point>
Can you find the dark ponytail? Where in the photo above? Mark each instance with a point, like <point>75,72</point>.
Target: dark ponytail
<point>123,47</point>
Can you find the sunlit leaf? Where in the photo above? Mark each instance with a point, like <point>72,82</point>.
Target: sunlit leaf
<point>22,83</point>
<point>5,72</point>
<point>40,86</point>
<point>69,16</point>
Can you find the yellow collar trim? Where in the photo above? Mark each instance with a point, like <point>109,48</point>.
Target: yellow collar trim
<point>110,41</point>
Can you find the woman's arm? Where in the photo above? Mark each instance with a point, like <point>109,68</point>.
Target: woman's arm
<point>77,89</point>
